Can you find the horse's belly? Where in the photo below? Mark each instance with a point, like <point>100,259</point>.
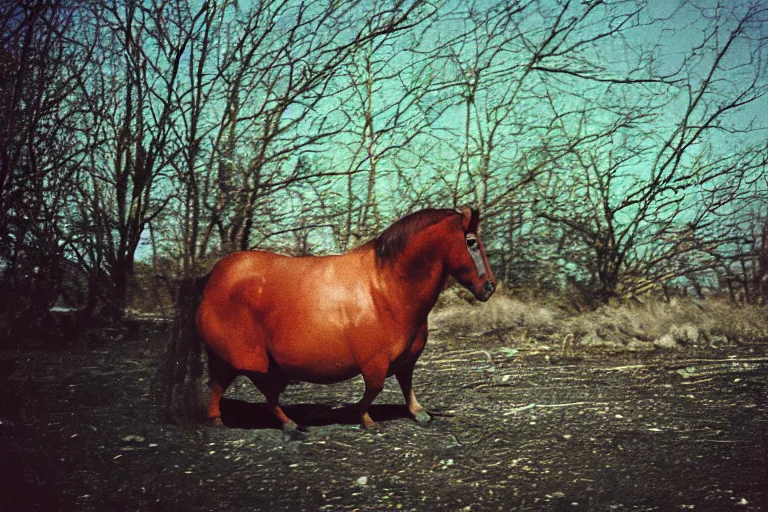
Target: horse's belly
<point>319,359</point>
<point>317,370</point>
<point>330,374</point>
<point>323,338</point>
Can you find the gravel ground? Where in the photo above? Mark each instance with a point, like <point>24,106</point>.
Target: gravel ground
<point>514,429</point>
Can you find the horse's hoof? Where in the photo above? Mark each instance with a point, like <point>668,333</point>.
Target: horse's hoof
<point>423,417</point>
<point>373,428</point>
<point>215,422</point>
<point>293,432</point>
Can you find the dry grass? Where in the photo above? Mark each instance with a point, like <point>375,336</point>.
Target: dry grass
<point>653,325</point>
<point>737,324</point>
<point>500,315</point>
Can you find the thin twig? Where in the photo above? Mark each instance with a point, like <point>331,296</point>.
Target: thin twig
<point>693,382</point>
<point>682,363</point>
<point>531,406</point>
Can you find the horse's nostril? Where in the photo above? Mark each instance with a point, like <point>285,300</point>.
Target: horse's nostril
<point>488,287</point>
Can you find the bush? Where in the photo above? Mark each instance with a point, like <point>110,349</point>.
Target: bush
<point>502,315</point>
<point>653,325</point>
<point>727,322</point>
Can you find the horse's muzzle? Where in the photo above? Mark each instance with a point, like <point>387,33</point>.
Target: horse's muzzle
<point>488,289</point>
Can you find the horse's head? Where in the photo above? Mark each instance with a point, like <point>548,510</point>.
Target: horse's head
<point>466,261</point>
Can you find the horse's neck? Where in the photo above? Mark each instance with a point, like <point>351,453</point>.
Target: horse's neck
<point>420,275</point>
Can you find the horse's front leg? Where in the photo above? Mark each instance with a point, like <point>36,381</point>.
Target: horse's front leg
<point>405,379</point>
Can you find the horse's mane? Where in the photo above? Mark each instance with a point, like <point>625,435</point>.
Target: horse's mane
<point>392,241</point>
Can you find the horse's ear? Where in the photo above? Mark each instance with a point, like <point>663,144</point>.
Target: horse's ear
<point>470,219</point>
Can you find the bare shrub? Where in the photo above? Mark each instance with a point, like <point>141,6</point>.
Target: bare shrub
<point>454,296</point>
<point>686,334</point>
<point>502,314</point>
<point>636,327</point>
<point>618,325</point>
<point>725,321</point>
<point>666,342</point>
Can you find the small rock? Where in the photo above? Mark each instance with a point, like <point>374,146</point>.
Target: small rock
<point>362,481</point>
<point>743,502</point>
<point>132,439</point>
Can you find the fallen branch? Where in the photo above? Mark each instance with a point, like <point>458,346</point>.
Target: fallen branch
<point>492,385</point>
<point>120,372</point>
<point>694,382</point>
<point>531,406</point>
<point>448,369</point>
<point>686,362</point>
<point>623,368</point>
<point>461,360</point>
<point>682,363</point>
<point>727,441</point>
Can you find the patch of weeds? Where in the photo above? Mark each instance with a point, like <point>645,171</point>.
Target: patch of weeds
<point>632,327</point>
<point>502,315</point>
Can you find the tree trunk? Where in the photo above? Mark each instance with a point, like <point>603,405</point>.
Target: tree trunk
<point>120,274</point>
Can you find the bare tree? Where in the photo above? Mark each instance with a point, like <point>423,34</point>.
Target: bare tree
<point>501,127</point>
<point>136,113</point>
<point>384,86</point>
<point>39,150</point>
<point>734,200</point>
<point>280,97</point>
<point>626,196</point>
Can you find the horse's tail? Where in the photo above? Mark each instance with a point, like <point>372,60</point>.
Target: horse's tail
<point>182,368</point>
<point>198,287</point>
<point>188,298</point>
<point>189,294</point>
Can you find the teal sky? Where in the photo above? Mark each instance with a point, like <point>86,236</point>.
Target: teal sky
<point>672,39</point>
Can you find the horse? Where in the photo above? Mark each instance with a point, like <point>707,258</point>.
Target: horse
<point>326,319</point>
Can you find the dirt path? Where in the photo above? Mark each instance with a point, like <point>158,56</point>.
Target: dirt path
<point>516,433</point>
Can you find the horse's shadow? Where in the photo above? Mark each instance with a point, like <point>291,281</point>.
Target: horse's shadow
<point>257,416</point>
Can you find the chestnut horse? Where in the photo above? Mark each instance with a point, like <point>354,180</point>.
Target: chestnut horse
<point>327,319</point>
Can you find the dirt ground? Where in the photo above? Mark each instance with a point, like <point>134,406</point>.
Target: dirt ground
<point>517,429</point>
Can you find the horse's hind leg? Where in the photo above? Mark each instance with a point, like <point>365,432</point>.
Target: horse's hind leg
<point>221,375</point>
